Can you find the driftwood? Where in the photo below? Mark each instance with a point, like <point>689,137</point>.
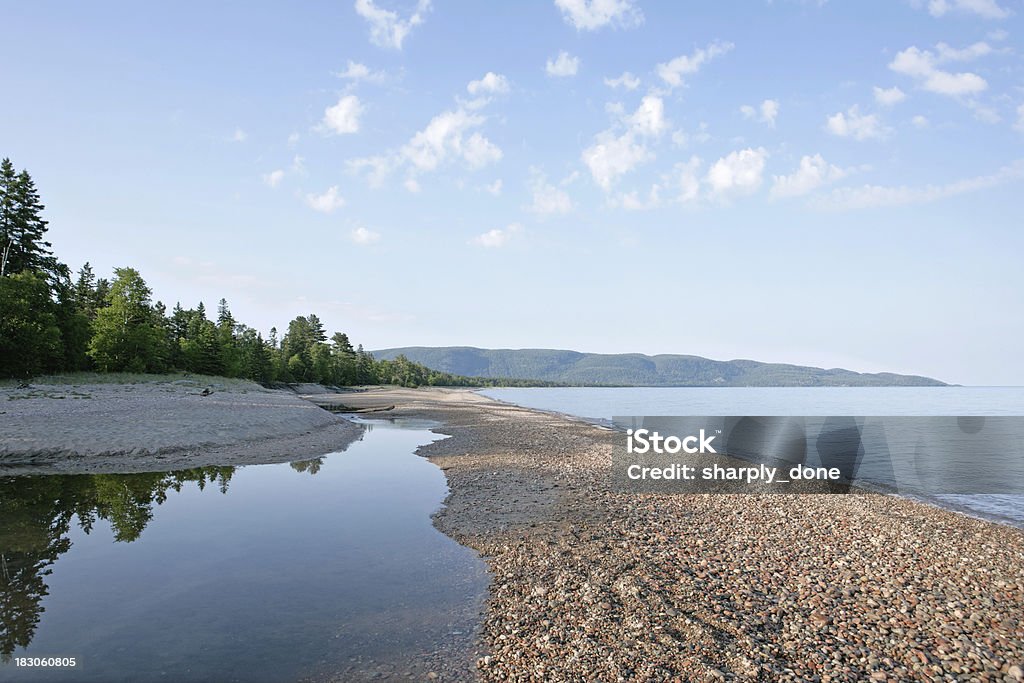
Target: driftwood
<point>339,408</point>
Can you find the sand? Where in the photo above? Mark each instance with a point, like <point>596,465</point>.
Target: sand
<point>160,425</point>
<point>593,585</point>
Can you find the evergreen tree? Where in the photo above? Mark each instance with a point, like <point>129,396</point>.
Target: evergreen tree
<point>230,357</point>
<point>74,325</point>
<point>88,293</point>
<point>22,228</point>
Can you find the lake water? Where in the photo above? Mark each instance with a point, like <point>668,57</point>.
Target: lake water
<point>325,569</point>
<point>602,404</point>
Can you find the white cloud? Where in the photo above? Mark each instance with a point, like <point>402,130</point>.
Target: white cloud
<point>445,137</point>
<point>889,96</point>
<point>613,155</point>
<point>672,72</point>
<point>922,65</point>
<point>919,121</point>
<point>649,117</point>
<point>387,29</point>
<point>412,185</point>
<point>989,9</point>
<point>377,167</point>
<point>274,178</point>
<point>356,72</point>
<point>490,84</point>
<point>326,202</point>
<point>239,135</point>
<point>293,139</point>
<point>855,125</point>
<point>948,53</point>
<point>1020,118</point>
<point>590,15</point>
<point>627,80</point>
<point>547,199</point>
<point>983,113</point>
<point>870,196</point>
<point>498,237</point>
<point>632,201</point>
<point>685,179</point>
<point>681,138</point>
<point>478,152</point>
<point>812,173</point>
<point>738,173</point>
<point>343,117</point>
<point>449,137</point>
<point>494,188</point>
<point>563,65</point>
<point>610,157</point>
<point>765,113</point>
<point>363,236</point>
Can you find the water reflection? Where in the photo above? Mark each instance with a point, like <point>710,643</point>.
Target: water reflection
<point>37,513</point>
<point>319,570</point>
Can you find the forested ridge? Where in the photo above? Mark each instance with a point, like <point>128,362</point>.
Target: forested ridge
<point>53,322</point>
<point>634,369</point>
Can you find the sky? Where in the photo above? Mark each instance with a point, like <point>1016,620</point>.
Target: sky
<point>820,182</point>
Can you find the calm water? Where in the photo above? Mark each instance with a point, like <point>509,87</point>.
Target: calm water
<point>602,404</point>
<point>303,571</point>
<point>605,403</point>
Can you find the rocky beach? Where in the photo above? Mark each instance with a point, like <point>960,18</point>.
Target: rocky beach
<point>593,585</point>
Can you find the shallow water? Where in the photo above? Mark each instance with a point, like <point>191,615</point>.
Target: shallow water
<point>315,570</point>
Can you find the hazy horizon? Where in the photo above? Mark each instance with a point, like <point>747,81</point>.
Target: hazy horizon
<point>813,183</point>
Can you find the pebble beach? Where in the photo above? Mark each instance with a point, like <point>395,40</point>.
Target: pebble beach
<point>588,584</point>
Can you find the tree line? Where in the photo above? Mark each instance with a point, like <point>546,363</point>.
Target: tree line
<point>52,323</point>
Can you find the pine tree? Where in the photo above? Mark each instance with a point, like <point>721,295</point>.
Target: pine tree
<point>8,211</point>
<point>22,228</point>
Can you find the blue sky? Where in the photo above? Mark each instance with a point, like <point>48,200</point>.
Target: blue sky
<point>828,183</point>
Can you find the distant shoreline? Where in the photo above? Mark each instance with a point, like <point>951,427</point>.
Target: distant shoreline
<point>575,368</point>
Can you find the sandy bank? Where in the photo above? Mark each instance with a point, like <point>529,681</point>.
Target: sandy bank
<point>593,585</point>
<point>160,425</point>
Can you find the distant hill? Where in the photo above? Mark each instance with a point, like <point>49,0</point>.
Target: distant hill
<point>634,369</point>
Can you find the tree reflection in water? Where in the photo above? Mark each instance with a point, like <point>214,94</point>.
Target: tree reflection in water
<point>36,513</point>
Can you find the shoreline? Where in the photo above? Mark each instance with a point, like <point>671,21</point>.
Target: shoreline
<point>160,425</point>
<point>590,584</point>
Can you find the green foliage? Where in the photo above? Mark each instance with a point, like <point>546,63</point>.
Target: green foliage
<point>22,248</point>
<point>30,339</point>
<point>126,334</point>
